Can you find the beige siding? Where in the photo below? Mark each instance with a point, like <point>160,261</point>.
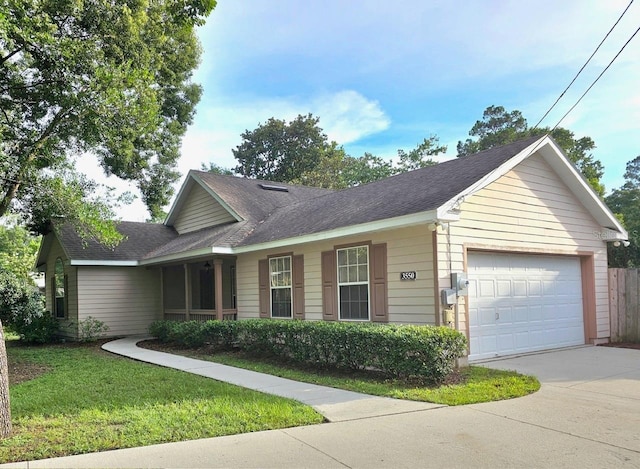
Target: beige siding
<point>407,250</point>
<point>127,299</point>
<point>67,325</point>
<point>530,210</point>
<point>201,210</point>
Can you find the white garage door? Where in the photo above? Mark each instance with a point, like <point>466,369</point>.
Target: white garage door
<point>523,303</point>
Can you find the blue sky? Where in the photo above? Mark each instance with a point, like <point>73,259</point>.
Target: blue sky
<point>384,75</point>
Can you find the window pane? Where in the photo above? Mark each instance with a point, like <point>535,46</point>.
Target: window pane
<point>342,275</point>
<point>281,303</point>
<point>353,274</point>
<point>352,256</point>
<point>363,273</point>
<point>342,257</point>
<point>354,302</point>
<point>362,255</point>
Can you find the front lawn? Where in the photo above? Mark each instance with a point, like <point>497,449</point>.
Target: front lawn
<point>470,385</point>
<point>79,399</point>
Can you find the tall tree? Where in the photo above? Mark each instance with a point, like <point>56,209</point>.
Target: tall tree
<point>112,78</point>
<point>337,170</point>
<point>499,127</point>
<point>5,407</point>
<point>625,203</point>
<point>281,151</point>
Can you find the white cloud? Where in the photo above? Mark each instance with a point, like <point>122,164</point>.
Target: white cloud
<point>347,116</point>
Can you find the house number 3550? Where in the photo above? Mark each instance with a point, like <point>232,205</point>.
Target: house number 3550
<point>407,275</point>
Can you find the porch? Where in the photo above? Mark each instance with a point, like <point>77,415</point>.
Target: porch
<point>200,290</point>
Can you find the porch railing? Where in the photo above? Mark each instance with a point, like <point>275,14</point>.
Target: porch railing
<point>200,315</point>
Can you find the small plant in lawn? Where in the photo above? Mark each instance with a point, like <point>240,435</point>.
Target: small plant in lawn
<point>91,329</point>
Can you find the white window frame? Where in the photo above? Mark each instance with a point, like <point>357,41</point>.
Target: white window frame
<point>341,284</point>
<point>280,287</point>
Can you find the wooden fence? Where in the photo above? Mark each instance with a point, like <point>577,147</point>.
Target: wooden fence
<point>624,292</point>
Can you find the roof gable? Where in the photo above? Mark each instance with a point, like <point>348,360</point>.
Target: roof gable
<point>201,210</point>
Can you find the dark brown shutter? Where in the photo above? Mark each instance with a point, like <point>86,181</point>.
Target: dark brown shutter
<point>329,286</point>
<point>298,286</point>
<point>263,282</point>
<point>379,301</point>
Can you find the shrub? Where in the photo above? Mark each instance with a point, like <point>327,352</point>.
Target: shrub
<point>402,351</point>
<point>91,329</point>
<point>22,310</point>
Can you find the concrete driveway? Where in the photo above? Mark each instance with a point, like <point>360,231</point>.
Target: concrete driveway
<point>587,414</point>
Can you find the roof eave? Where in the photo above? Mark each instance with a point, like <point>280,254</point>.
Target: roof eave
<point>403,221</point>
<point>556,158</point>
<point>106,263</point>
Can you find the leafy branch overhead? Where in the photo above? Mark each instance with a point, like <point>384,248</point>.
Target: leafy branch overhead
<point>499,127</point>
<point>110,78</point>
<point>299,152</point>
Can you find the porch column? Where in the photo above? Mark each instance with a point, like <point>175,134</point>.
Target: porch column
<point>217,278</point>
<point>187,292</point>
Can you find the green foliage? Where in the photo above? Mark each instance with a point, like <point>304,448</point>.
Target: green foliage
<point>111,78</point>
<point>18,250</point>
<point>281,151</point>
<point>22,311</point>
<point>625,203</point>
<point>34,325</point>
<point>216,169</point>
<point>91,329</point>
<point>499,127</point>
<point>426,352</point>
<point>420,156</point>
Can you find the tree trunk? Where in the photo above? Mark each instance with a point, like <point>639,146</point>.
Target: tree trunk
<point>12,190</point>
<point>5,409</point>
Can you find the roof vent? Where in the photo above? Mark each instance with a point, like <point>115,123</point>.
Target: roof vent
<point>269,187</point>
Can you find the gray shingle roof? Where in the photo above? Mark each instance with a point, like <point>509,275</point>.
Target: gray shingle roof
<point>407,193</point>
<point>250,200</point>
<point>140,238</point>
<point>272,215</point>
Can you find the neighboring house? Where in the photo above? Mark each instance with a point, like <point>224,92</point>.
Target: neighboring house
<point>519,221</point>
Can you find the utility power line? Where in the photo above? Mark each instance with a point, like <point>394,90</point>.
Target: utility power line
<point>598,78</point>
<point>583,67</point>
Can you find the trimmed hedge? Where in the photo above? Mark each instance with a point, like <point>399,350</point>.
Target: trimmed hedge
<point>400,351</point>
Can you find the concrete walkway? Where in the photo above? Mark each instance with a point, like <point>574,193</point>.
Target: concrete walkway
<point>336,405</point>
<point>586,415</point>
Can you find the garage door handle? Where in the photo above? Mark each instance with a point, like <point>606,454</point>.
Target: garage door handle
<point>497,316</point>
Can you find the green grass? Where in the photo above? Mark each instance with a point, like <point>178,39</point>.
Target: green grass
<point>94,401</point>
<point>476,384</point>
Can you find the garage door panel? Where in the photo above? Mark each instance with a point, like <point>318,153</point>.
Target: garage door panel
<point>521,314</point>
<point>503,288</point>
<point>523,303</point>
